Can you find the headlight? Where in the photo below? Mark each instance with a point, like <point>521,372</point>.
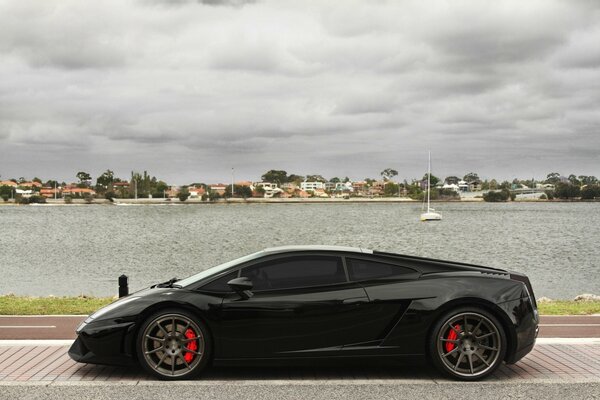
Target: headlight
<point>112,306</point>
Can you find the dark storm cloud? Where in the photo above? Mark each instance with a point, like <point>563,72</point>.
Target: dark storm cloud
<point>189,89</point>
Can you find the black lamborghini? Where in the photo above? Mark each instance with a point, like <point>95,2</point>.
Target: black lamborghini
<point>315,303</point>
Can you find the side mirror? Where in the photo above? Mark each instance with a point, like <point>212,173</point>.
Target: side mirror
<point>241,286</point>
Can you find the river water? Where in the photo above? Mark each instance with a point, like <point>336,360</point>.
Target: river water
<point>70,250</point>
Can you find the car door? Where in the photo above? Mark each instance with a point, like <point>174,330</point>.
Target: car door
<point>302,306</point>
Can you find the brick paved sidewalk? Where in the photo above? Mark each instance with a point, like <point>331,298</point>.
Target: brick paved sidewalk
<point>557,361</point>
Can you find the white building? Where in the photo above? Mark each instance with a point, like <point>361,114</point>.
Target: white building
<point>270,188</point>
<point>451,186</point>
<point>311,186</point>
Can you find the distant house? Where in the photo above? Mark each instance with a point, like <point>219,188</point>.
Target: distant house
<point>196,192</point>
<point>451,186</point>
<point>8,183</point>
<point>172,192</point>
<point>360,187</point>
<point>330,186</point>
<point>244,183</point>
<point>344,187</point>
<point>120,185</point>
<point>289,187</point>
<point>312,186</point>
<point>218,188</point>
<point>463,186</point>
<point>49,192</point>
<point>24,192</point>
<point>270,189</point>
<point>475,186</point>
<point>31,184</point>
<point>79,192</point>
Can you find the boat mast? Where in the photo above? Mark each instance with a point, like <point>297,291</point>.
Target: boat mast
<point>428,180</point>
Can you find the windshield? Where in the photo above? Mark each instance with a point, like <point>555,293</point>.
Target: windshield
<point>219,268</point>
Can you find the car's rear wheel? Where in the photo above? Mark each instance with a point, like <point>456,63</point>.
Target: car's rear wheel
<point>173,344</point>
<point>467,343</point>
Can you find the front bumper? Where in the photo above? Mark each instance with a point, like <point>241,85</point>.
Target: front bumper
<point>104,342</point>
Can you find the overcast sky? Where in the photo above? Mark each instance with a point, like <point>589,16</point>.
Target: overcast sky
<point>189,89</point>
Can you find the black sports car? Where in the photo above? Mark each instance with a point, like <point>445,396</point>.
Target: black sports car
<point>307,303</point>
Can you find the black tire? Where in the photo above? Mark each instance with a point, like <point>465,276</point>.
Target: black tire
<point>173,344</point>
<point>470,354</point>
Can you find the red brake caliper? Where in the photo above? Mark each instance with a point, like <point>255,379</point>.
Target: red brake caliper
<point>192,345</point>
<point>452,336</point>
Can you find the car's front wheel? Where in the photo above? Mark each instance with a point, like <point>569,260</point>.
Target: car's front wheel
<point>467,343</point>
<point>173,344</point>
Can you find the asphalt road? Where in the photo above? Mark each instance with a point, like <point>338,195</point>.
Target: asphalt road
<point>63,327</point>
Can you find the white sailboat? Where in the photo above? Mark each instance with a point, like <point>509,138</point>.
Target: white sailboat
<point>430,214</point>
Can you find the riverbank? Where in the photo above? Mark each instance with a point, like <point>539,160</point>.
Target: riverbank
<point>292,200</point>
<point>84,305</point>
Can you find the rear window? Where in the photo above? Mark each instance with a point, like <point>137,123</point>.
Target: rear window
<point>360,270</point>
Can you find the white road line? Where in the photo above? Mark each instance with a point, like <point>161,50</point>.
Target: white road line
<point>27,326</point>
<point>567,341</point>
<point>569,324</point>
<point>47,342</point>
<point>43,316</point>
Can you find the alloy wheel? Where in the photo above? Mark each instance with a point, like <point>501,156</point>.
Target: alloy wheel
<point>173,345</point>
<point>469,344</point>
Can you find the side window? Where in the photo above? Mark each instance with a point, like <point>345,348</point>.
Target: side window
<point>359,270</point>
<point>303,271</point>
<point>220,285</point>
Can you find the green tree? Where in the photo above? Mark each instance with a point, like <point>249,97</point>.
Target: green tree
<point>391,189</point>
<point>452,180</point>
<point>315,178</point>
<point>434,179</point>
<point>590,192</point>
<point>293,178</point>
<point>106,179</point>
<point>242,191</point>
<point>335,180</point>
<point>36,179</point>
<point>6,190</point>
<point>588,180</point>
<point>495,196</point>
<point>184,193</point>
<point>553,178</point>
<point>471,177</point>
<point>574,181</point>
<point>162,186</point>
<point>388,174</point>
<point>275,176</point>
<point>84,178</point>
<point>260,191</point>
<point>566,191</point>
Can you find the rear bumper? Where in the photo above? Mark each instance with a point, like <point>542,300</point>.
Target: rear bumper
<point>525,320</point>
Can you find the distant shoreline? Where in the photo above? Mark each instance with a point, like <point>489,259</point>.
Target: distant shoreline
<point>355,200</point>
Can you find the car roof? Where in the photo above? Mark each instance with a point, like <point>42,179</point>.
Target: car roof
<point>288,249</point>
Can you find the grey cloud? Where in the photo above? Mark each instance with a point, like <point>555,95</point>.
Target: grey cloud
<point>191,90</point>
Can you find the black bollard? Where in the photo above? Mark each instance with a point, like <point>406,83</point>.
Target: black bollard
<point>123,286</point>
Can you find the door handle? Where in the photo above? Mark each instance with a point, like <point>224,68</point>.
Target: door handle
<point>356,300</point>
